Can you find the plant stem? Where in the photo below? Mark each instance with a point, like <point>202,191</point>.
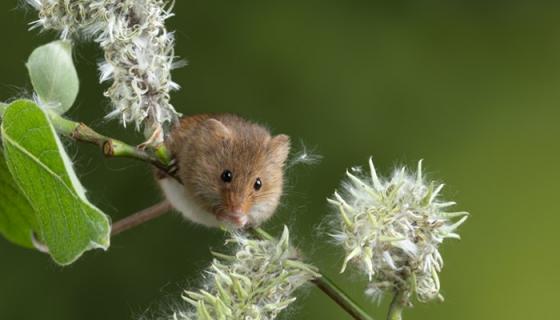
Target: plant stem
<point>397,306</point>
<point>328,287</point>
<point>159,156</point>
<point>340,297</point>
<point>140,217</point>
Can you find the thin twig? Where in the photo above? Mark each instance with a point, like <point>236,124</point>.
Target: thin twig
<point>140,217</point>
<point>397,306</point>
<point>158,155</point>
<point>341,298</point>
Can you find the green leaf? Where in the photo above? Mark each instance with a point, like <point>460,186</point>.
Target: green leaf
<point>17,218</point>
<point>54,76</point>
<point>67,223</point>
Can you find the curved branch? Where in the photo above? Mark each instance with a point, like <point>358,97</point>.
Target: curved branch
<point>341,298</point>
<point>140,217</point>
<point>158,156</point>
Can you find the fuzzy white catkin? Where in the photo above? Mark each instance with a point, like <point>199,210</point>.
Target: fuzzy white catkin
<point>138,51</point>
<point>391,229</point>
<point>257,282</point>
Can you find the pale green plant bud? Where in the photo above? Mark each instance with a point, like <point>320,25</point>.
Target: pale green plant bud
<point>257,282</point>
<point>391,230</point>
<point>138,51</point>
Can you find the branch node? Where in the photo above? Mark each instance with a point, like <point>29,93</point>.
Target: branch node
<point>108,149</point>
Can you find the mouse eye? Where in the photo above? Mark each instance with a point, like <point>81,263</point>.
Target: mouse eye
<point>258,184</point>
<point>227,176</point>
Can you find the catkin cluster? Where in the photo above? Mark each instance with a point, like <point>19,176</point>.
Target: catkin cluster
<point>257,282</point>
<point>391,229</point>
<point>138,51</point>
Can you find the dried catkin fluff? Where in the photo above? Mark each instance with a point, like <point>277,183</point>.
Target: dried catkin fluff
<point>138,51</point>
<point>257,282</point>
<point>391,230</point>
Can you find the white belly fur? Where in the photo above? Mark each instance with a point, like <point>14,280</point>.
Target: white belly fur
<point>183,202</point>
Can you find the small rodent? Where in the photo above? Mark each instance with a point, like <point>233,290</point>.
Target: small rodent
<point>230,170</point>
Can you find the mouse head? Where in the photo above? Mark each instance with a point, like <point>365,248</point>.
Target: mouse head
<point>235,169</point>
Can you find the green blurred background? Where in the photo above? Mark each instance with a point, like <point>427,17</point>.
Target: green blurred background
<point>472,87</point>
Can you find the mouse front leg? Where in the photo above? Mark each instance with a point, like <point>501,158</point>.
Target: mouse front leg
<point>173,167</point>
<point>169,172</point>
<point>154,138</point>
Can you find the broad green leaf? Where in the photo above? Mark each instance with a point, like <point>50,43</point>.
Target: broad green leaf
<point>17,218</point>
<point>54,76</point>
<point>67,223</point>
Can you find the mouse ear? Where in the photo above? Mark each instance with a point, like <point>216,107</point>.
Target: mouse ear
<point>217,128</point>
<point>280,148</point>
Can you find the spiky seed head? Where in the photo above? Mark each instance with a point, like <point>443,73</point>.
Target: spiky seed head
<point>391,230</point>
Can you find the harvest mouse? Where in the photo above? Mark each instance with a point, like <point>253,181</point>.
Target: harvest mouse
<point>230,170</point>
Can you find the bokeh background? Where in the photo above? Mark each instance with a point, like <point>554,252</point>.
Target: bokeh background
<point>472,87</point>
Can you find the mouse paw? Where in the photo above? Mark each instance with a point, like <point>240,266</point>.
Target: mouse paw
<point>173,167</point>
<point>154,140</point>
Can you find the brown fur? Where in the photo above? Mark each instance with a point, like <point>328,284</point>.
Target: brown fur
<point>206,145</point>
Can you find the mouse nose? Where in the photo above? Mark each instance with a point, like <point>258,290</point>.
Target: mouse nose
<point>238,210</point>
<point>237,204</point>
